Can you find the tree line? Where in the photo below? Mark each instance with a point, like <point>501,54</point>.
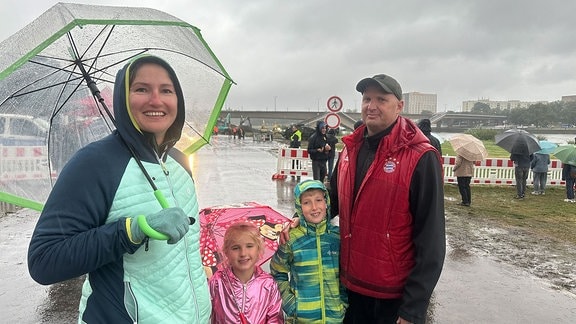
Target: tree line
<point>553,114</point>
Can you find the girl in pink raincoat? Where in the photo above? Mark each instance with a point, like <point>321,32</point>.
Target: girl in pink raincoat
<point>241,291</point>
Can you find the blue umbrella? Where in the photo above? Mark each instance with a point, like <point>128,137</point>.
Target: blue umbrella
<point>546,147</point>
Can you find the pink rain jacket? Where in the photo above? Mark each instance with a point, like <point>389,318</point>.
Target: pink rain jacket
<point>259,299</point>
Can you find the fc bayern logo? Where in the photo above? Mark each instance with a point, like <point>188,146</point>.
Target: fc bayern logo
<point>390,166</point>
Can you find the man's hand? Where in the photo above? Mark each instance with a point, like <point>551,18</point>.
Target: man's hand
<point>285,234</point>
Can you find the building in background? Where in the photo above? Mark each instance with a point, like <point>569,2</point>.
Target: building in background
<point>499,104</point>
<point>571,98</point>
<point>416,102</point>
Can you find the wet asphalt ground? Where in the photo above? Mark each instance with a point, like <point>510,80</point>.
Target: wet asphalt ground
<point>472,288</point>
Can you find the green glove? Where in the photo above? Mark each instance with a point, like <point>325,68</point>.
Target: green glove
<point>170,221</point>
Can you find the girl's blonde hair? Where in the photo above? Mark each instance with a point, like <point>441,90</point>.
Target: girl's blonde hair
<point>243,228</point>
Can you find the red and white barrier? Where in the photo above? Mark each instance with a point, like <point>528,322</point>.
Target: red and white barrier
<point>292,162</point>
<point>500,171</point>
<point>23,163</point>
<point>497,171</point>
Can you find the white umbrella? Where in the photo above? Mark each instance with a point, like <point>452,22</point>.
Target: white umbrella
<point>469,147</point>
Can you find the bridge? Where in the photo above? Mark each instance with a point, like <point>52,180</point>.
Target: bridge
<point>347,119</point>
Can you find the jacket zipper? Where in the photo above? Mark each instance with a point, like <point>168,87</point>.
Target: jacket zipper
<point>320,274</point>
<point>186,247</point>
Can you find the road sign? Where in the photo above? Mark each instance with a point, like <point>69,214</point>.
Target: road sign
<point>334,104</point>
<point>332,120</point>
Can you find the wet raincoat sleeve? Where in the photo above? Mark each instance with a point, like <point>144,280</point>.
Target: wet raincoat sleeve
<point>429,238</point>
<point>280,266</point>
<point>71,237</point>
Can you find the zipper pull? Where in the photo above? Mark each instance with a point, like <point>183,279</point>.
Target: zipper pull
<point>166,172</point>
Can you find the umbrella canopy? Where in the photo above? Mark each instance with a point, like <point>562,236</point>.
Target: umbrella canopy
<point>518,141</point>
<point>215,220</point>
<point>60,69</point>
<point>546,147</point>
<point>566,154</point>
<point>469,147</point>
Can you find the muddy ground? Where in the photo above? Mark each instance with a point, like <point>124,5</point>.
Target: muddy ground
<point>552,261</point>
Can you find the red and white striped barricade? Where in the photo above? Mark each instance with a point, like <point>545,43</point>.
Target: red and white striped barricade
<point>500,171</point>
<point>23,163</point>
<point>292,162</point>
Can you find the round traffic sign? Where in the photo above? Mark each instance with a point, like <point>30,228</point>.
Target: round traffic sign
<point>334,104</point>
<point>332,120</point>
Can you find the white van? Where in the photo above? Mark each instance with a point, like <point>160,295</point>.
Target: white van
<point>22,130</point>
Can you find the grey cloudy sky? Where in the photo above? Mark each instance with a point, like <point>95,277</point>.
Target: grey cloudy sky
<point>296,54</point>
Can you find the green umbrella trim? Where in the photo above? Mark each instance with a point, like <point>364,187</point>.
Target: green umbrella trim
<point>19,201</point>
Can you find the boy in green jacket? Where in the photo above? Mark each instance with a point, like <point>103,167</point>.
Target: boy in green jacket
<point>306,268</point>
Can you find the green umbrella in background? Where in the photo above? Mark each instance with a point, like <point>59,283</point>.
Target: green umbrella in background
<point>566,154</point>
<point>57,72</point>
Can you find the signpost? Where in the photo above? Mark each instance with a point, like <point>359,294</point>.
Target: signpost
<point>334,104</point>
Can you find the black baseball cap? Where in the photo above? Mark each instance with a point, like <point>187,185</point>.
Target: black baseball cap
<point>386,82</point>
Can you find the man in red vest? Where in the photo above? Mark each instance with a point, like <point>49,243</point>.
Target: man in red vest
<point>387,190</point>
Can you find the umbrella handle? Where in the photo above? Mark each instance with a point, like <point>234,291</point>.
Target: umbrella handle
<point>161,199</point>
<point>147,229</point>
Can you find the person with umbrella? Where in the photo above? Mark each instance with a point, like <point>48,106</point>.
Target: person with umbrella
<point>539,164</point>
<point>569,176</point>
<point>464,170</point>
<point>89,223</point>
<point>521,158</point>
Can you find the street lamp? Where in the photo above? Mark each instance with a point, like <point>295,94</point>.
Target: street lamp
<point>275,97</point>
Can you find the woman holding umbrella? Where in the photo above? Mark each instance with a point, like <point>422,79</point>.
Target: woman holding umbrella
<point>88,225</point>
<point>464,170</point>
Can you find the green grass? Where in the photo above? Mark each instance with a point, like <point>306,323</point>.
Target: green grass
<point>547,216</point>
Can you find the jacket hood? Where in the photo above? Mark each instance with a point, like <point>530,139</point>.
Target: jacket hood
<point>319,126</point>
<point>143,142</point>
<point>307,185</point>
<point>425,126</point>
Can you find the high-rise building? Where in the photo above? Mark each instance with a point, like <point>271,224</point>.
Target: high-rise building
<point>499,104</point>
<point>416,102</point>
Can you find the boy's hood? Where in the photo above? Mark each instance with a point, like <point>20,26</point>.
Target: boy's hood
<point>307,185</point>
